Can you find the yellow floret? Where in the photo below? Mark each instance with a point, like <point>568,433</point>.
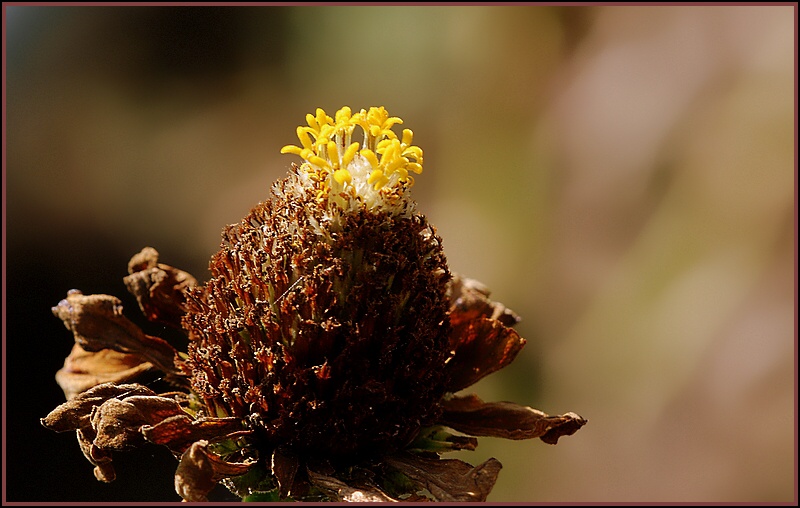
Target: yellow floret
<point>327,146</point>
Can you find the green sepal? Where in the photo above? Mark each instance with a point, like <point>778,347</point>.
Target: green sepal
<point>397,485</point>
<point>437,439</point>
<point>256,482</point>
<point>273,496</point>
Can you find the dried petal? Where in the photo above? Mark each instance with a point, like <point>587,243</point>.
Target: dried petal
<point>470,415</point>
<point>159,288</point>
<point>480,347</point>
<point>108,417</point>
<point>340,491</point>
<point>284,467</point>
<point>416,498</point>
<point>85,369</point>
<point>155,408</point>
<point>469,300</point>
<point>97,323</point>
<point>448,479</point>
<point>200,470</point>
<point>118,423</point>
<point>75,413</point>
<point>178,432</point>
<point>101,459</point>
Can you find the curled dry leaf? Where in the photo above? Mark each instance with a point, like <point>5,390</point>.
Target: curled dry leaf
<point>448,480</point>
<point>200,470</point>
<point>109,417</point>
<point>469,299</point>
<point>85,369</point>
<point>159,288</point>
<point>470,415</point>
<point>101,459</point>
<point>179,432</point>
<point>284,467</point>
<point>481,346</point>
<point>97,323</point>
<point>119,423</point>
<point>570,425</point>
<point>481,339</point>
<point>75,413</point>
<point>340,491</point>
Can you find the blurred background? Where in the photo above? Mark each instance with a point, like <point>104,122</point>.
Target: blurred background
<point>622,177</point>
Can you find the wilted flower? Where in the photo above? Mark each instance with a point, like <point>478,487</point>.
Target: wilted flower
<point>325,353</point>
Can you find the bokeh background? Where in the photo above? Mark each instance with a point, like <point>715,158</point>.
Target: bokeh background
<point>624,178</point>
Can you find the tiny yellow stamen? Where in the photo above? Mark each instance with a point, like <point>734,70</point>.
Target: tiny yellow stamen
<point>322,118</point>
<point>395,164</point>
<point>416,168</point>
<point>370,156</point>
<point>375,176</point>
<point>349,154</point>
<point>342,176</point>
<point>407,136</point>
<point>294,150</point>
<point>380,183</point>
<point>381,147</point>
<point>413,151</point>
<point>303,135</point>
<point>333,154</point>
<point>318,161</point>
<point>343,115</point>
<point>311,121</point>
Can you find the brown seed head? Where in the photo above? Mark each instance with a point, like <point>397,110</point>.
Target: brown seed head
<point>329,334</point>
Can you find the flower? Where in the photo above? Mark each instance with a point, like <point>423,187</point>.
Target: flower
<point>325,353</point>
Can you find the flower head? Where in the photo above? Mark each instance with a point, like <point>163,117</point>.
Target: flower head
<point>325,352</point>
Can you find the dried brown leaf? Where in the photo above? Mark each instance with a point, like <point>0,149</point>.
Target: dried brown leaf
<point>341,491</point>
<point>97,323</point>
<point>469,300</point>
<point>178,432</point>
<point>159,288</point>
<point>101,459</point>
<point>284,467</point>
<point>85,369</point>
<point>119,423</point>
<point>481,346</point>
<point>470,415</point>
<point>108,417</point>
<point>200,470</point>
<point>117,426</point>
<point>448,480</point>
<point>75,413</point>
